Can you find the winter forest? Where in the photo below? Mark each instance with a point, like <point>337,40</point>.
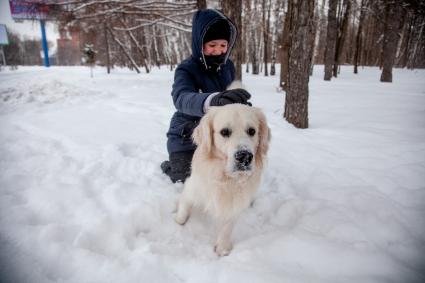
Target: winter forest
<point>295,34</point>
<point>142,34</point>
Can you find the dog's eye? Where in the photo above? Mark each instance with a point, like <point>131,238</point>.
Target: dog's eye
<point>226,132</point>
<point>251,132</point>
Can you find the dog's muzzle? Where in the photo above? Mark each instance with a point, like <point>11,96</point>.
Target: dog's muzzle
<point>243,159</point>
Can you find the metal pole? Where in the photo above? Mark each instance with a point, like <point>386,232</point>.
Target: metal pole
<point>44,43</point>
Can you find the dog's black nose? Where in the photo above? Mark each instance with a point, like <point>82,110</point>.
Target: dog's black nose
<point>243,158</point>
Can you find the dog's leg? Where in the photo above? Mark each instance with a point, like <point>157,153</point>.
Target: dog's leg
<point>224,244</point>
<point>184,207</point>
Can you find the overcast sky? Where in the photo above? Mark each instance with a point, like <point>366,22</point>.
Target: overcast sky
<point>27,28</point>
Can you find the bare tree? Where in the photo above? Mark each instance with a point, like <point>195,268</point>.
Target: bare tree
<point>253,35</point>
<point>300,55</point>
<point>416,53</point>
<point>406,33</point>
<point>157,32</point>
<point>246,22</point>
<point>285,44</point>
<point>233,9</point>
<point>343,21</point>
<point>277,27</point>
<point>124,49</point>
<point>137,27</point>
<point>331,39</point>
<point>392,15</point>
<point>108,55</point>
<point>319,56</point>
<point>266,28</point>
<point>24,51</point>
<point>315,37</point>
<point>201,4</point>
<point>359,35</point>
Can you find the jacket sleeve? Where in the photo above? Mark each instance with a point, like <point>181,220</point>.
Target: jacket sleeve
<point>186,95</point>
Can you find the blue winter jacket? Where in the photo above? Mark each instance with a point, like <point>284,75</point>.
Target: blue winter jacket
<point>194,82</point>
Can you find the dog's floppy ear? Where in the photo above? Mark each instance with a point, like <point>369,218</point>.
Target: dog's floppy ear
<point>203,133</point>
<point>264,137</point>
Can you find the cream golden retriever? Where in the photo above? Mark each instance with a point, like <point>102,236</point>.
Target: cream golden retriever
<point>232,144</point>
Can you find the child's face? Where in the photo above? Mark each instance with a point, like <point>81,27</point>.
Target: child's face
<point>215,47</point>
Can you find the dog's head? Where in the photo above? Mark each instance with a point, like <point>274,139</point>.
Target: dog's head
<point>238,134</point>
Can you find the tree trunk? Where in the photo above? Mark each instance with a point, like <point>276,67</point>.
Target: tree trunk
<point>415,49</point>
<point>233,9</point>
<point>275,35</point>
<point>247,34</point>
<point>124,50</point>
<point>320,49</point>
<point>404,48</point>
<point>201,4</point>
<point>108,56</point>
<point>300,54</point>
<point>266,27</point>
<point>254,60</point>
<point>392,15</point>
<point>341,35</point>
<point>330,39</point>
<point>315,37</point>
<point>137,44</point>
<point>358,37</point>
<point>284,53</point>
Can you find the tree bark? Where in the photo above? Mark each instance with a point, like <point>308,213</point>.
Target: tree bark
<point>108,56</point>
<point>266,27</point>
<point>254,51</point>
<point>233,9</point>
<point>330,39</point>
<point>341,35</point>
<point>314,38</point>
<point>418,44</point>
<point>284,55</point>
<point>389,49</point>
<point>300,54</point>
<point>404,47</point>
<point>247,34</point>
<point>319,57</point>
<point>275,35</point>
<point>201,4</point>
<point>359,37</point>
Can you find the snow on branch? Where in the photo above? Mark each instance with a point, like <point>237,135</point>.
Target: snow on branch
<point>137,28</point>
<point>152,12</point>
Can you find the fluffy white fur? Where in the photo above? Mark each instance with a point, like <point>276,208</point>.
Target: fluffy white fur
<point>219,184</point>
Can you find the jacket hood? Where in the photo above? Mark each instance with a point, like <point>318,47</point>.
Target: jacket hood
<point>202,20</point>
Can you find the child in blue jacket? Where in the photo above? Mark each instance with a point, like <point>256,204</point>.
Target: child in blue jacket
<point>200,81</point>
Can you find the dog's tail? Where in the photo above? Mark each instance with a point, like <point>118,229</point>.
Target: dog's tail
<point>235,84</point>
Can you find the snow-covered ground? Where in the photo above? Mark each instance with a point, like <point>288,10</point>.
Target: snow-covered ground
<point>82,197</point>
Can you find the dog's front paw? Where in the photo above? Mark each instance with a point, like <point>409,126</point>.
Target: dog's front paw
<point>181,219</point>
<point>183,213</point>
<point>223,248</point>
